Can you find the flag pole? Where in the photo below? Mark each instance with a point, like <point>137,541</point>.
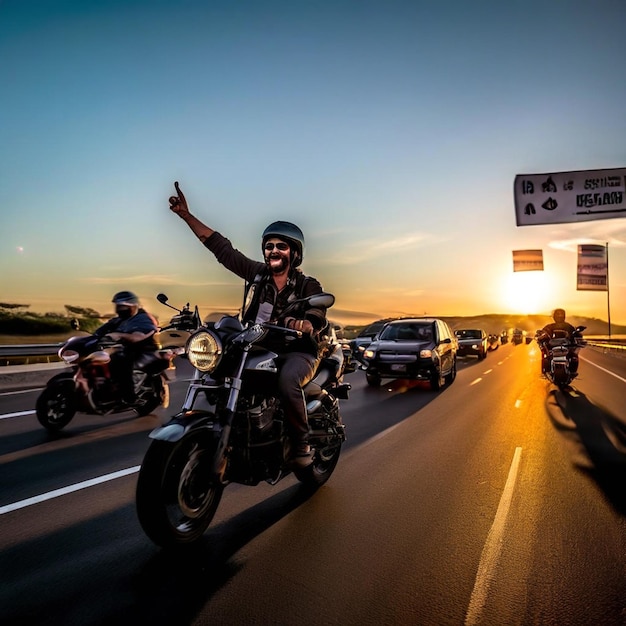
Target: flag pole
<point>608,304</point>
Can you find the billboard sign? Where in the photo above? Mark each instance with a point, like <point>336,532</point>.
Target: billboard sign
<point>563,197</point>
<point>593,268</point>
<point>527,260</point>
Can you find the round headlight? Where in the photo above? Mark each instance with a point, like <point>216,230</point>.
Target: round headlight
<point>204,350</point>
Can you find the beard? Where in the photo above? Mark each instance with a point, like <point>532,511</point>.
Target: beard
<point>277,263</point>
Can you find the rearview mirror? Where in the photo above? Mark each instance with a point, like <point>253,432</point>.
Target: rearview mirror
<point>324,300</point>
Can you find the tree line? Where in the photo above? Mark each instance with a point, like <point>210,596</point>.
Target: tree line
<point>16,319</point>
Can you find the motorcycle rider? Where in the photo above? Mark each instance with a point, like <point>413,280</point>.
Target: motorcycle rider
<point>559,328</point>
<point>273,284</point>
<point>135,328</point>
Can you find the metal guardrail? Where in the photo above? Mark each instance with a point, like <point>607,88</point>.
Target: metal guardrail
<point>25,351</point>
<point>32,349</point>
<point>10,354</point>
<point>606,346</point>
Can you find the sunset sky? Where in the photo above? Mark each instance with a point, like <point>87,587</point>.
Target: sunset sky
<point>390,131</point>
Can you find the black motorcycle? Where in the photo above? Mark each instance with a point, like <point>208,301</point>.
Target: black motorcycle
<point>88,386</point>
<point>241,435</point>
<point>557,351</point>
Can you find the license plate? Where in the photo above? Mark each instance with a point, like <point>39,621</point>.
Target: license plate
<point>398,367</point>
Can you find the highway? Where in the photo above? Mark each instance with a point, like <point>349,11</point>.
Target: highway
<point>498,500</point>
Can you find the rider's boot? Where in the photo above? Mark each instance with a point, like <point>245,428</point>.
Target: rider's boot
<point>301,455</point>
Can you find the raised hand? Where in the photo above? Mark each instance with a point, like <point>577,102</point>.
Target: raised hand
<point>178,204</point>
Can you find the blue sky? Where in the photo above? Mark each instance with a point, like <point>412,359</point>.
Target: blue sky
<point>391,132</point>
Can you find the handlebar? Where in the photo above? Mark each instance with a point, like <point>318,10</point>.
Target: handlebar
<point>107,342</point>
<point>286,331</point>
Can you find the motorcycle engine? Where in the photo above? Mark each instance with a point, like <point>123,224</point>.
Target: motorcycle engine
<point>261,415</point>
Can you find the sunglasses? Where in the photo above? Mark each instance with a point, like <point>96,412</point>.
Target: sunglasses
<point>280,246</point>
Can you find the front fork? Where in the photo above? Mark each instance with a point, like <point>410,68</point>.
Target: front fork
<point>226,416</point>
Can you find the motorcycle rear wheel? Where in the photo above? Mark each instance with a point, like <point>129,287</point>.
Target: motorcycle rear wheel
<point>55,408</point>
<point>158,397</point>
<point>176,497</point>
<point>560,377</point>
<point>324,463</point>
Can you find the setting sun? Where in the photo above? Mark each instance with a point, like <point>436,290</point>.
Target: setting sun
<point>527,292</point>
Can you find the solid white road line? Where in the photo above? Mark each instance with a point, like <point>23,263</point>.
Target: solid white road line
<point>492,548</point>
<point>65,490</point>
<point>582,358</point>
<point>14,393</point>
<point>7,416</point>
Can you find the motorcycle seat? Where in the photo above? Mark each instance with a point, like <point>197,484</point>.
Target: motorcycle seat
<point>326,371</point>
<point>559,341</point>
<point>150,362</point>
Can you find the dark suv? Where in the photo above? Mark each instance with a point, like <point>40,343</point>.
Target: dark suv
<point>422,348</point>
<point>472,342</point>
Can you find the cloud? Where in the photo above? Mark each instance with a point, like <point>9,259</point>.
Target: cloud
<point>154,279</point>
<point>351,253</point>
<point>601,232</point>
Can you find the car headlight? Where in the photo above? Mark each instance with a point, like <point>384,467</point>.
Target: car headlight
<point>369,354</point>
<point>204,350</point>
<point>426,354</point>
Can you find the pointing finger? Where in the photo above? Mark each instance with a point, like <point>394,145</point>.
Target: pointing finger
<point>179,192</point>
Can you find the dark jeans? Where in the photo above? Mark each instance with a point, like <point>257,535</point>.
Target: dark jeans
<point>122,365</point>
<point>296,369</point>
<point>121,368</point>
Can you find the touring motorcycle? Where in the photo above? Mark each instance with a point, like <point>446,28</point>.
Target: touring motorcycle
<point>557,351</point>
<point>239,435</point>
<point>88,386</point>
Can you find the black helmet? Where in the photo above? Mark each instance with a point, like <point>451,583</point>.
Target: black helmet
<point>125,297</point>
<point>560,313</point>
<point>291,234</point>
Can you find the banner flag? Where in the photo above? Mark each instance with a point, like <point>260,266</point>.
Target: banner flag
<point>527,260</point>
<point>592,268</point>
<point>563,197</point>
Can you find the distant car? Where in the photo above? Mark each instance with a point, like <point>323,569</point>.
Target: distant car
<point>472,342</point>
<point>517,337</point>
<point>415,348</point>
<point>365,337</point>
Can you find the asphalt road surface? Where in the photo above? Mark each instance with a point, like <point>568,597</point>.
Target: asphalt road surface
<point>498,500</point>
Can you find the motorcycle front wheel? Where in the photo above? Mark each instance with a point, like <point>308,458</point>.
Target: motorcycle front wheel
<point>176,496</point>
<point>55,407</point>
